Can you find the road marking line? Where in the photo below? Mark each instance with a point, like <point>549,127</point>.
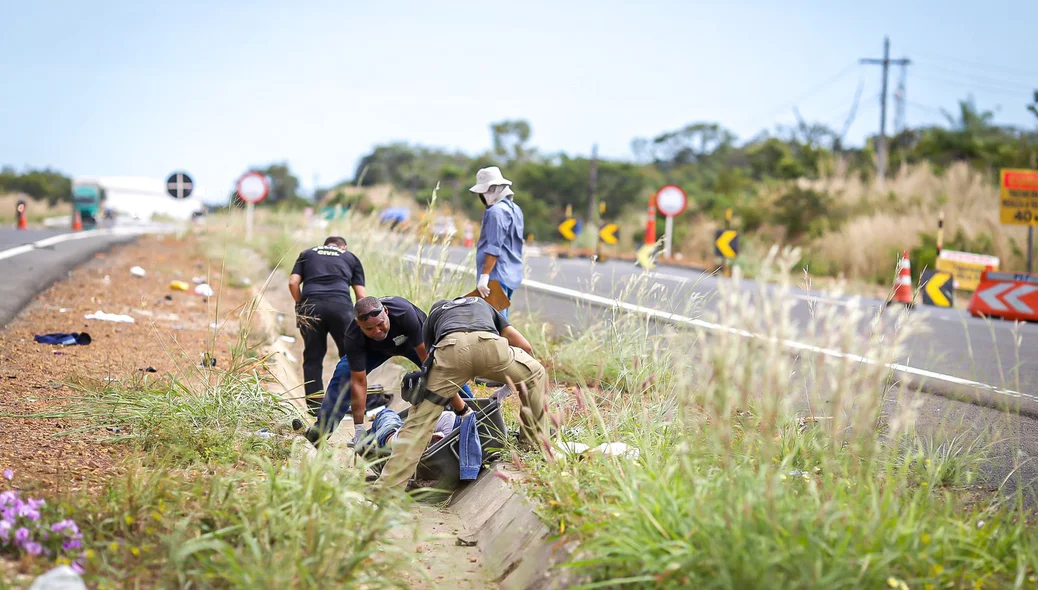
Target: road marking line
<point>47,242</point>
<point>792,344</point>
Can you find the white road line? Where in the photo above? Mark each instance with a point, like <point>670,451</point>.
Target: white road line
<point>48,242</point>
<point>792,344</point>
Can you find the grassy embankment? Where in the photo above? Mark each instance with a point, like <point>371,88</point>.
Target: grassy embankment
<point>731,488</point>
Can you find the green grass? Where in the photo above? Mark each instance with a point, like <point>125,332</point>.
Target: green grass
<point>733,488</point>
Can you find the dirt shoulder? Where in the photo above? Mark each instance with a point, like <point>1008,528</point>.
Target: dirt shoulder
<point>171,331</point>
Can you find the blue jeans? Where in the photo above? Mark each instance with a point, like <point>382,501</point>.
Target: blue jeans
<point>508,292</point>
<point>336,403</point>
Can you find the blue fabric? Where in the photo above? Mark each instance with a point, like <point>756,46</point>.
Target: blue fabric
<point>384,425</point>
<point>470,452</point>
<point>336,403</point>
<point>508,293</point>
<point>501,235</point>
<point>63,338</point>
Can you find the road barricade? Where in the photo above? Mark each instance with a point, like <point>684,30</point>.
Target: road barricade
<point>1010,296</point>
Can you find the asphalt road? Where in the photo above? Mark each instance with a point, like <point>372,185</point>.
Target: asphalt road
<point>32,260</point>
<point>949,343</point>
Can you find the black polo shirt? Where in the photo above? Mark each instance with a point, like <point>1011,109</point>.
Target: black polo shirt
<point>328,272</point>
<point>405,334</point>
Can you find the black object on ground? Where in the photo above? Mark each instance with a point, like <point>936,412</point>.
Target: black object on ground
<point>487,382</point>
<point>150,370</point>
<point>297,424</point>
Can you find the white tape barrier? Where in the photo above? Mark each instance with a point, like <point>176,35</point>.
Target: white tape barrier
<point>792,344</point>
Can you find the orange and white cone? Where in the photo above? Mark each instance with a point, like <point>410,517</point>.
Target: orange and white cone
<point>903,285</point>
<point>468,235</point>
<point>23,223</point>
<point>77,221</point>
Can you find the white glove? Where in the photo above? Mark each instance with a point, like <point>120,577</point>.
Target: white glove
<point>483,286</point>
<point>358,434</point>
<point>501,393</point>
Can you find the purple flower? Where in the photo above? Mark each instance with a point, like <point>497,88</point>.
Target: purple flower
<point>33,548</point>
<point>35,503</point>
<point>78,568</point>
<point>70,545</point>
<point>5,527</point>
<point>8,474</point>
<point>28,511</point>
<point>21,535</point>
<point>7,498</point>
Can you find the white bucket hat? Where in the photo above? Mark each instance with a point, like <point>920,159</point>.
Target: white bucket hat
<point>488,177</point>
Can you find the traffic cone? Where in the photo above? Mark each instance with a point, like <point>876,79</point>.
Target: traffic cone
<point>903,285</point>
<point>22,222</point>
<point>468,235</point>
<point>77,221</point>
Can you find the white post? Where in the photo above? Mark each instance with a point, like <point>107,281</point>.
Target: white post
<point>248,220</point>
<point>668,229</point>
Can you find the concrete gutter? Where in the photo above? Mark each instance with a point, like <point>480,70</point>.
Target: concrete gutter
<point>518,550</point>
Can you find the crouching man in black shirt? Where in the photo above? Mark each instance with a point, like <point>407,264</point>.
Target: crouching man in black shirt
<point>323,305</point>
<point>468,338</point>
<point>382,329</point>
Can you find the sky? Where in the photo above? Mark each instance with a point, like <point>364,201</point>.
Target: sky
<point>215,88</point>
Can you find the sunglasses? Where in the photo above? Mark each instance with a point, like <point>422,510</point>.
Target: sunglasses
<point>371,314</point>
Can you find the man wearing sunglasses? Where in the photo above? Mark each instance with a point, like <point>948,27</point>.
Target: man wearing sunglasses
<point>383,328</point>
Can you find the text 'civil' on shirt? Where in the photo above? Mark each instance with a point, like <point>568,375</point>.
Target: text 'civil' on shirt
<point>328,272</point>
<point>501,235</point>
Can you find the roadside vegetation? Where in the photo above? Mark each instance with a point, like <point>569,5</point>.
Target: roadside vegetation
<point>746,467</point>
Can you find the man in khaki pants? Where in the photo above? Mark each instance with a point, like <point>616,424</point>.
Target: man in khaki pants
<point>468,338</point>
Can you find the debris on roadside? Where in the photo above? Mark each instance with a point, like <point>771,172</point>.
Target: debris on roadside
<point>63,339</point>
<point>179,286</point>
<point>264,433</point>
<point>288,339</point>
<point>110,317</point>
<point>198,280</point>
<point>138,272</point>
<point>204,290</point>
<point>208,360</point>
<point>149,370</point>
<point>62,577</point>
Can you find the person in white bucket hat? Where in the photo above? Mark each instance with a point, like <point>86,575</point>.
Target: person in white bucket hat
<point>499,252</point>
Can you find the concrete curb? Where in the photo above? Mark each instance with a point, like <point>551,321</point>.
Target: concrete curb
<point>517,548</point>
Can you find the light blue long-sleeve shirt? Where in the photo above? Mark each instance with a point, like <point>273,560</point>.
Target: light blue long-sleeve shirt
<point>502,236</point>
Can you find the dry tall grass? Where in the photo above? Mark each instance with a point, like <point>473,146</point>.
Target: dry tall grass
<point>35,212</point>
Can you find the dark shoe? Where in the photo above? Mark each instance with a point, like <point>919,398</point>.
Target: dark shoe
<point>487,382</point>
<point>297,424</point>
<point>314,436</point>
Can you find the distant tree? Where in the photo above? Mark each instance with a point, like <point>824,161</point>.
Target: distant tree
<point>1033,107</point>
<point>47,184</point>
<point>283,184</point>
<point>510,139</point>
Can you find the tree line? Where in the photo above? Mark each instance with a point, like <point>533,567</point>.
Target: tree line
<point>706,159</point>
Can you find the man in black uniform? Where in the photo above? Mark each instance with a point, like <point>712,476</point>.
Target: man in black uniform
<point>467,338</point>
<point>383,328</point>
<point>323,306</point>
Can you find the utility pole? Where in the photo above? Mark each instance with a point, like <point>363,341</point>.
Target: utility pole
<point>592,211</point>
<point>881,142</point>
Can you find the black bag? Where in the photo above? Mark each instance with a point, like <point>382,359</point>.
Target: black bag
<point>413,386</point>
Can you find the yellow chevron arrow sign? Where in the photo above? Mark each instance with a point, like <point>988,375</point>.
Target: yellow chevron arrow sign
<point>938,289</point>
<point>727,243</point>
<point>608,233</point>
<point>566,229</point>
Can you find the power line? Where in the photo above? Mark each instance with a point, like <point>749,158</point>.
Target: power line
<point>1019,92</point>
<point>969,63</point>
<point>814,90</point>
<point>981,79</point>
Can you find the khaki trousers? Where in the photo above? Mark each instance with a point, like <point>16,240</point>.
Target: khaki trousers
<point>459,358</point>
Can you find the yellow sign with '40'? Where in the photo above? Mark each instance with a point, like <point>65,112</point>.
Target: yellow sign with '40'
<point>1018,197</point>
